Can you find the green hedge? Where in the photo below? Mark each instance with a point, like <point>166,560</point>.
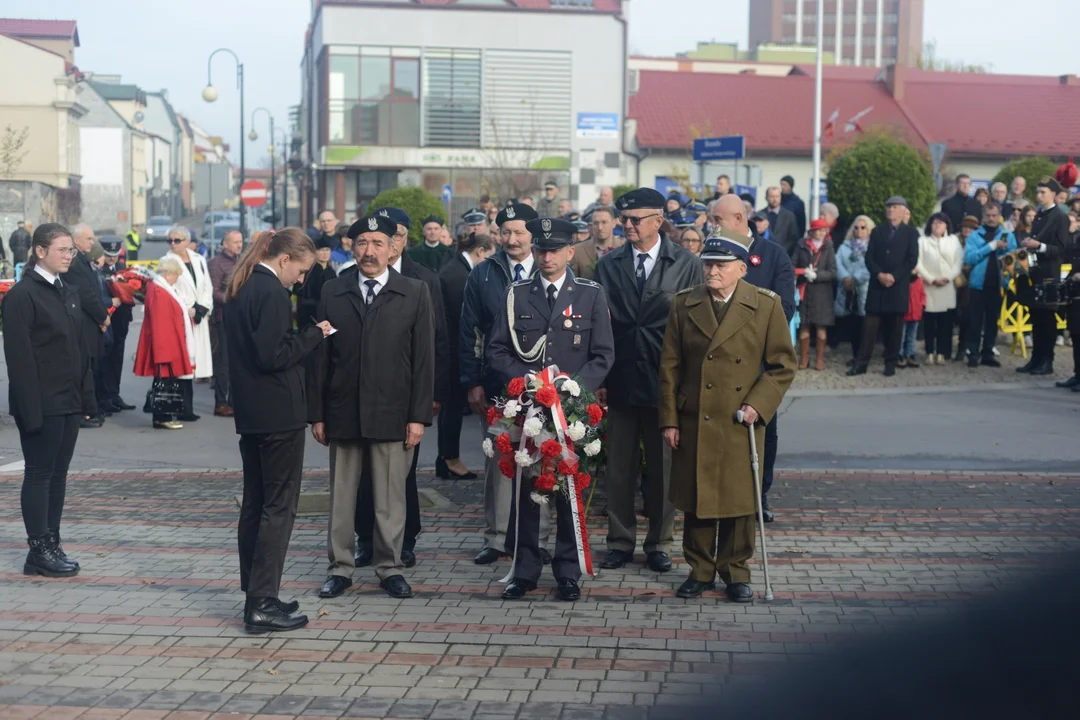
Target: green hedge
<point>417,204</point>
<point>866,173</point>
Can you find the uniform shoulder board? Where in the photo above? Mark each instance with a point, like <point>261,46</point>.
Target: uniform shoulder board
<point>766,291</point>
<point>684,291</point>
<point>585,282</point>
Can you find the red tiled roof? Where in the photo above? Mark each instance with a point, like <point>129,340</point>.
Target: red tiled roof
<point>775,114</point>
<point>837,72</point>
<point>18,27</point>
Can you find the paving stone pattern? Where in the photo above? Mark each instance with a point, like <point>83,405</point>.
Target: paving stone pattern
<point>151,628</point>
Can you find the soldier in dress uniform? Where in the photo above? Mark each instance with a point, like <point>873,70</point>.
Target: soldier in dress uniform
<point>566,319</point>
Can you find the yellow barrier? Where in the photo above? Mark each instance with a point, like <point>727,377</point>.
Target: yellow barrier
<point>1015,319</point>
<point>149,264</point>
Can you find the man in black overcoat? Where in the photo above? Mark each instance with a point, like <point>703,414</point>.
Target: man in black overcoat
<point>1046,245</point>
<point>95,318</point>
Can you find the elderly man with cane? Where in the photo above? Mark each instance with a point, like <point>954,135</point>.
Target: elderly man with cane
<point>726,364</point>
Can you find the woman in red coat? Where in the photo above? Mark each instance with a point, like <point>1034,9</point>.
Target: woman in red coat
<point>166,343</point>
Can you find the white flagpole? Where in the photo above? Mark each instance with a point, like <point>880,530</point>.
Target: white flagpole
<point>815,183</point>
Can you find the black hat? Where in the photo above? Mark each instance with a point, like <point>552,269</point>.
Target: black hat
<point>723,246</point>
<point>323,242</point>
<point>474,216</point>
<point>789,180</point>
<point>1051,183</point>
<point>399,216</point>
<point>111,244</point>
<point>517,211</point>
<point>641,199</point>
<point>550,233</point>
<point>431,219</point>
<point>373,223</point>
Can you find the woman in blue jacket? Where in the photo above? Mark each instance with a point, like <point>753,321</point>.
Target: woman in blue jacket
<point>853,280</point>
<point>983,251</point>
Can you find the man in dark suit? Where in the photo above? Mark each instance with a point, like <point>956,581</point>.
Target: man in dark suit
<point>371,395</point>
<point>401,262</point>
<point>891,256</point>
<point>569,318</point>
<point>961,204</point>
<point>95,320</point>
<point>782,224</point>
<point>1047,242</point>
<point>640,279</point>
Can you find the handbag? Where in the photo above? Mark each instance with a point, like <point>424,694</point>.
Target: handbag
<point>961,280</point>
<point>166,397</point>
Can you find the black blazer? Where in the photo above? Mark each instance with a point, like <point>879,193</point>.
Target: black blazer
<point>1051,228</point>
<point>309,292</point>
<point>452,278</point>
<point>84,280</point>
<point>959,206</point>
<point>897,257</point>
<point>376,374</point>
<point>412,269</point>
<point>266,360</point>
<point>639,323</point>
<point>48,367</point>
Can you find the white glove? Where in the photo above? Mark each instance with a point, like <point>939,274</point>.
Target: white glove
<point>811,274</point>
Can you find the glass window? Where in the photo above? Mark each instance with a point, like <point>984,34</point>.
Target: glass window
<point>405,121</point>
<point>374,78</point>
<point>452,98</point>
<point>406,79</point>
<point>367,183</point>
<point>344,119</point>
<point>344,77</point>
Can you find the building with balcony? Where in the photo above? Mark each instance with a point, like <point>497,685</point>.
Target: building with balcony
<point>484,96</point>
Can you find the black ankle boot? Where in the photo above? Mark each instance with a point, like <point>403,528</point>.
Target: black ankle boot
<point>266,615</point>
<point>54,537</point>
<point>44,560</point>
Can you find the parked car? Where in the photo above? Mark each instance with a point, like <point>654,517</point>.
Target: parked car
<point>157,227</point>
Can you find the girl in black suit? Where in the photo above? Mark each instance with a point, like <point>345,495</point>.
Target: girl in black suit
<point>48,373</point>
<point>266,372</point>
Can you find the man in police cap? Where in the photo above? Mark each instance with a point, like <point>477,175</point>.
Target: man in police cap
<point>474,220</point>
<point>560,320</point>
<point>485,296</point>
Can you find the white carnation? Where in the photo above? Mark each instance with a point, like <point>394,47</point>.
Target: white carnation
<point>572,387</point>
<point>489,448</point>
<point>511,409</point>
<point>523,458</point>
<point>576,431</point>
<point>593,448</point>
<point>533,427</point>
<point>538,498</point>
<point>536,383</point>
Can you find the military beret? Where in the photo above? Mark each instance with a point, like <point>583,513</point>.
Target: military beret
<point>111,245</point>
<point>399,216</point>
<point>550,233</point>
<point>373,223</point>
<point>723,246</point>
<point>474,216</point>
<point>580,226</point>
<point>1053,185</point>
<point>517,211</point>
<point>322,242</point>
<point>641,199</point>
<point>431,219</point>
<point>896,200</point>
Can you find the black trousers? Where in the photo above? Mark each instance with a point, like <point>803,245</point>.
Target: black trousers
<point>365,506</point>
<point>771,439</point>
<point>893,326</point>
<point>47,454</point>
<point>937,333</point>
<point>273,464</point>
<point>983,311</point>
<point>530,564</point>
<point>114,362</point>
<point>1043,334</point>
<point>853,327</point>
<point>89,398</point>
<point>220,357</point>
<point>450,419</point>
<point>101,395</point>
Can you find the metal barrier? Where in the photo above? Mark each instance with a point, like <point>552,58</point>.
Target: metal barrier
<point>1015,318</point>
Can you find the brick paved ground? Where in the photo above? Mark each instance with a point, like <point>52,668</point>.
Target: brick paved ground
<point>151,627</point>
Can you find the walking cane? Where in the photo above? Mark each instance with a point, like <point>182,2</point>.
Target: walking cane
<point>760,513</point>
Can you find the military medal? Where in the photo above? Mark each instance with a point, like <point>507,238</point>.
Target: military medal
<point>568,323</point>
<point>568,313</point>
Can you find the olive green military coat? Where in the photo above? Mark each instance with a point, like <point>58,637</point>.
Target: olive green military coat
<point>707,372</point>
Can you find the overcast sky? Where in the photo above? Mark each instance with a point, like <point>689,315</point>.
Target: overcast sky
<point>165,43</point>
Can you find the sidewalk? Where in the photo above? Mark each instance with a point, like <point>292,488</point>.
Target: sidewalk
<point>151,628</point>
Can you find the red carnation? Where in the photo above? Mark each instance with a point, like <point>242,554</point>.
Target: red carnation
<point>596,414</point>
<point>550,449</point>
<point>503,443</point>
<point>507,466</point>
<point>545,483</point>
<point>493,415</point>
<point>581,481</point>
<point>547,396</point>
<point>568,467</point>
<point>516,387</point>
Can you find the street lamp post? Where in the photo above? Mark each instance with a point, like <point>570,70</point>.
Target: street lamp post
<point>284,173</point>
<point>253,136</point>
<point>210,94</point>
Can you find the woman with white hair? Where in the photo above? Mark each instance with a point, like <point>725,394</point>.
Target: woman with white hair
<point>166,341</point>
<point>196,292</point>
<point>854,280</point>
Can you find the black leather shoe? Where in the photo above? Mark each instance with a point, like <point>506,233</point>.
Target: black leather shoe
<point>408,558</point>
<point>265,615</point>
<point>973,362</point>
<point>693,588</point>
<point>856,370</point>
<point>616,559</point>
<point>396,587</point>
<point>54,539</point>
<point>1043,368</point>
<point>658,561</point>
<point>959,355</point>
<point>569,590</point>
<point>767,514</point>
<point>1070,383</point>
<point>44,560</point>
<point>443,472</point>
<point>740,592</point>
<point>890,370</point>
<point>118,402</point>
<point>488,556</point>
<point>287,607</point>
<point>545,556</point>
<point>362,556</point>
<point>1031,365</point>
<point>518,589</point>
<point>335,586</point>
<point>990,361</point>
<point>91,423</point>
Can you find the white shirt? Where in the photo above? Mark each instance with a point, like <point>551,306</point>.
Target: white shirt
<point>468,259</point>
<point>397,265</point>
<point>558,285</point>
<point>652,255</point>
<point>526,264</point>
<point>269,268</point>
<point>723,300</point>
<point>380,282</point>
<point>46,274</point>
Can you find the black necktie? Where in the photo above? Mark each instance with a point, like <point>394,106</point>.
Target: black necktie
<point>519,269</point>
<point>57,284</point>
<point>370,291</point>
<point>551,297</point>
<point>641,273</point>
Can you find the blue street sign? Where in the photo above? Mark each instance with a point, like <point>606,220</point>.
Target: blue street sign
<point>732,147</point>
<point>597,125</point>
<point>447,193</point>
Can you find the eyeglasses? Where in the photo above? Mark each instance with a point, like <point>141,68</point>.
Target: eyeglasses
<point>176,241</point>
<point>636,221</point>
<point>65,251</point>
<point>860,227</point>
